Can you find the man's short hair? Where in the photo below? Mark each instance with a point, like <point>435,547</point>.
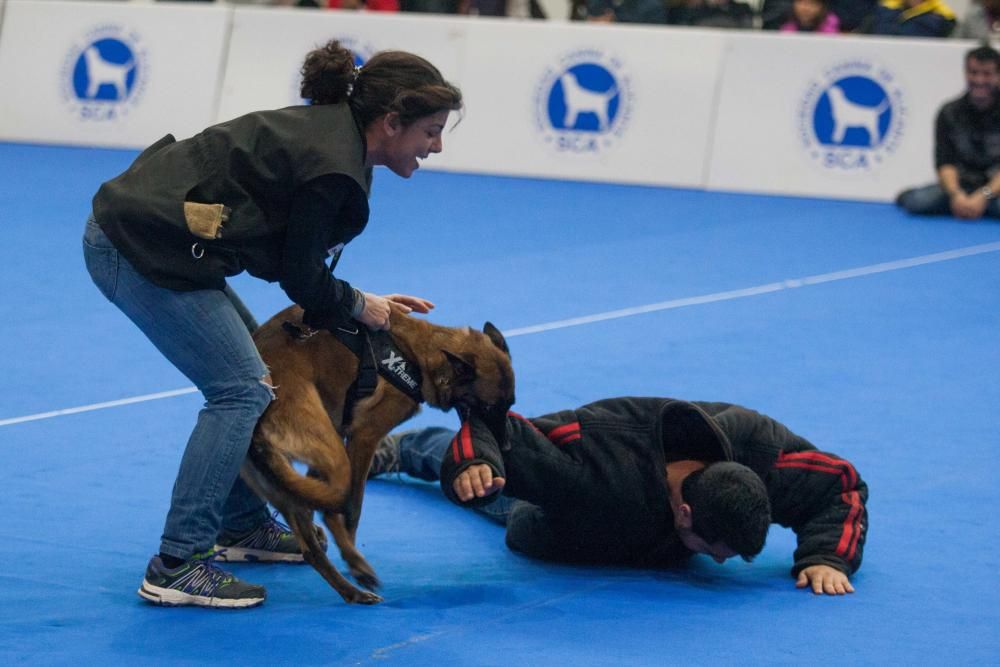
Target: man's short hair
<point>984,54</point>
<point>729,504</point>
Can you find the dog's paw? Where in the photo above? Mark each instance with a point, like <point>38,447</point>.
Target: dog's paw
<point>364,597</point>
<point>366,577</point>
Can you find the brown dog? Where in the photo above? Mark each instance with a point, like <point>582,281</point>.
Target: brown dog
<point>312,374</point>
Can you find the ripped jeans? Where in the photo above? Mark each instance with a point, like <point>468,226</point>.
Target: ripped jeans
<point>206,335</point>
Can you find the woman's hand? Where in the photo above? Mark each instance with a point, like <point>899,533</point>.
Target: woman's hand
<point>411,303</point>
<point>376,312</point>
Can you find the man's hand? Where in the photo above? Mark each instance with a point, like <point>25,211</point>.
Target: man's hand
<point>968,207</point>
<point>476,481</point>
<point>824,579</point>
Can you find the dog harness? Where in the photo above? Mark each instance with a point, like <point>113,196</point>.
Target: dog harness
<point>377,355</point>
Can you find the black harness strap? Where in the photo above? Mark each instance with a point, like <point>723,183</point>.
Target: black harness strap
<point>377,355</point>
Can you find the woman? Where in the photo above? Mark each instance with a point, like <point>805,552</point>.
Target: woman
<point>273,193</point>
<point>811,16</point>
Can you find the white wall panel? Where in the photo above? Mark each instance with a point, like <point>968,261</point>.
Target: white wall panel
<point>108,74</point>
<point>845,118</point>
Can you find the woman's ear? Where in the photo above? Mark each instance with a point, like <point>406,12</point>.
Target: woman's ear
<point>391,123</point>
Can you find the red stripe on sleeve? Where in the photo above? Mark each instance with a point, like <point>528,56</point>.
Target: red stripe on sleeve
<point>564,434</point>
<point>848,545</point>
<point>466,437</point>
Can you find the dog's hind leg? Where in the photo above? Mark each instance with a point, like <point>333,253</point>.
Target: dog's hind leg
<point>360,569</point>
<point>301,524</point>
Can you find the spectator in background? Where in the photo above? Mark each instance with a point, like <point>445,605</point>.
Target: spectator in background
<point>626,11</point>
<point>913,18</point>
<point>811,16</point>
<point>966,148</point>
<point>711,14</point>
<point>981,22</point>
<point>853,15</point>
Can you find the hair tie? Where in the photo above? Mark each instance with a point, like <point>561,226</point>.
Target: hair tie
<point>357,72</point>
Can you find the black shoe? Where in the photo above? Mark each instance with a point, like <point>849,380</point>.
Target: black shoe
<point>199,582</point>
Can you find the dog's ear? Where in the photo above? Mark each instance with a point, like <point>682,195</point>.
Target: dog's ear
<point>463,371</point>
<point>497,337</point>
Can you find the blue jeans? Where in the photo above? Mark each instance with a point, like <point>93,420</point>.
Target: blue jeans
<point>420,455</point>
<point>206,335</point>
<point>932,200</point>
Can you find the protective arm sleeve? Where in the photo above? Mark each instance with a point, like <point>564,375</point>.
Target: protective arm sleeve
<point>822,498</point>
<point>472,445</point>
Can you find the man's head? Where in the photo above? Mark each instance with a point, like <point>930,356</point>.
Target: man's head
<point>724,512</point>
<point>982,75</point>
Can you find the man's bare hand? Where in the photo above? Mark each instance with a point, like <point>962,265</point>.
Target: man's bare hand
<point>968,207</point>
<point>476,481</point>
<point>824,579</point>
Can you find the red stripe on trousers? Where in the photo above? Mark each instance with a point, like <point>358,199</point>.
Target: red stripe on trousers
<point>848,544</point>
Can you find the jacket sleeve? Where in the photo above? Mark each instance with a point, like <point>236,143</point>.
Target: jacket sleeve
<point>472,445</point>
<point>317,223</point>
<point>535,469</point>
<point>822,498</point>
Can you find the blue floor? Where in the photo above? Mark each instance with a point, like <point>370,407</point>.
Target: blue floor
<point>894,368</point>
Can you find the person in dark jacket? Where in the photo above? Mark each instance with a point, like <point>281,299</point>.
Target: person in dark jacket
<point>966,148</point>
<point>648,482</point>
<point>913,18</point>
<point>276,194</point>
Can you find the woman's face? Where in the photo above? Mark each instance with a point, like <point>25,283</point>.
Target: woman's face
<point>414,142</point>
<point>808,12</point>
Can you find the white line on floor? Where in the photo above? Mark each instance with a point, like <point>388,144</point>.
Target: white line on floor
<point>614,315</point>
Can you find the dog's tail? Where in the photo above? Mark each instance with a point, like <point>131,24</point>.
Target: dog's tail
<point>325,486</point>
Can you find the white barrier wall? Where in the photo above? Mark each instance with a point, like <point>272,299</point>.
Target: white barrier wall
<point>268,45</point>
<point>851,117</point>
<point>588,102</point>
<point>842,117</point>
<point>109,74</point>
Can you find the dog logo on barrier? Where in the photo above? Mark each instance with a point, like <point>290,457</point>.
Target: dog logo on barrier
<point>853,117</point>
<point>583,104</point>
<point>104,75</point>
<point>362,50</point>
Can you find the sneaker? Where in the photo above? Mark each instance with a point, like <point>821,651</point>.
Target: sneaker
<point>270,542</point>
<point>199,582</point>
<point>386,458</point>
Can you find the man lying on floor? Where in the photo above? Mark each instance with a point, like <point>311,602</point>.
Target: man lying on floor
<point>648,482</point>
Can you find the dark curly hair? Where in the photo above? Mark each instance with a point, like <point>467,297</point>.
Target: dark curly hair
<point>729,504</point>
<point>390,81</point>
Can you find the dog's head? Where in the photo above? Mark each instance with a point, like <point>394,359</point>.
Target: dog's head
<point>475,375</point>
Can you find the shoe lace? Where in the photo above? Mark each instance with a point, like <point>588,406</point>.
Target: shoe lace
<point>271,533</point>
<point>205,577</point>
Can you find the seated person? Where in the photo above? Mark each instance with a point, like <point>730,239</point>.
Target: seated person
<point>711,14</point>
<point>626,11</point>
<point>811,16</point>
<point>913,18</point>
<point>966,148</point>
<point>648,482</point>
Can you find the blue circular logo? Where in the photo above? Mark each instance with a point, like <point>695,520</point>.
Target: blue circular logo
<point>104,75</point>
<point>853,111</point>
<point>583,104</point>
<point>584,98</point>
<point>853,117</point>
<point>105,70</point>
